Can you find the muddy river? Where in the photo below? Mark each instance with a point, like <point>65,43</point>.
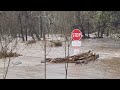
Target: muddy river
<point>106,67</point>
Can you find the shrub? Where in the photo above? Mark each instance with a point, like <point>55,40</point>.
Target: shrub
<point>8,54</point>
<point>57,43</point>
<point>30,42</point>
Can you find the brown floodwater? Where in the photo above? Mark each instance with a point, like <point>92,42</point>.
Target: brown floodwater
<point>106,67</point>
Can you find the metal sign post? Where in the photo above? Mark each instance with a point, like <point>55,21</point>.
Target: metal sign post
<point>76,50</point>
<point>76,36</point>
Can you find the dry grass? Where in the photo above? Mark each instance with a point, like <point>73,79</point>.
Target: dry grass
<point>8,54</point>
<point>56,43</point>
<point>30,42</point>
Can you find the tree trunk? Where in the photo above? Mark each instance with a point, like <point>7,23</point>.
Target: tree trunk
<point>102,32</point>
<point>83,31</point>
<point>107,33</point>
<point>116,29</point>
<point>98,33</point>
<point>19,35</point>
<point>22,35</point>
<point>103,29</point>
<point>101,36</point>
<point>44,32</point>
<point>37,36</point>
<point>88,30</point>
<point>41,28</point>
<point>48,30</point>
<point>26,34</point>
<point>21,31</point>
<point>99,29</point>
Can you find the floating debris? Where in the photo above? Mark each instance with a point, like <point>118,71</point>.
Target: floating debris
<point>16,62</point>
<point>78,59</point>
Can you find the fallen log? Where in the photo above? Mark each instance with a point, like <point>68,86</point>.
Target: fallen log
<point>47,60</point>
<point>92,58</point>
<point>78,59</point>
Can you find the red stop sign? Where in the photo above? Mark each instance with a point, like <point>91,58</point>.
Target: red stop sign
<point>76,34</point>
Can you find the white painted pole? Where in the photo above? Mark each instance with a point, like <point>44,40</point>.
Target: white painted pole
<point>76,50</point>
